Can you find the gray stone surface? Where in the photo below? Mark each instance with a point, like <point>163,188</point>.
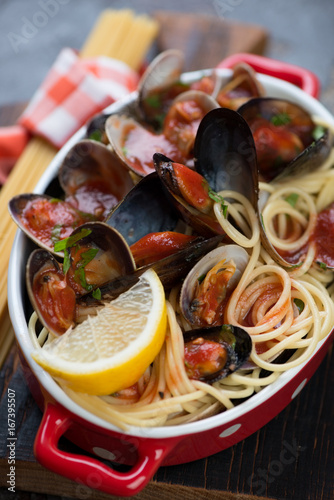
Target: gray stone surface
<point>301,31</point>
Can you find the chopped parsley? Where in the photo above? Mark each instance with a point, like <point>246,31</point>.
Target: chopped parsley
<point>299,304</point>
<point>154,101</point>
<point>218,199</point>
<point>322,265</point>
<point>96,135</point>
<point>71,240</point>
<point>318,132</point>
<point>280,119</point>
<point>292,199</point>
<point>79,273</point>
<point>97,294</point>
<point>201,278</point>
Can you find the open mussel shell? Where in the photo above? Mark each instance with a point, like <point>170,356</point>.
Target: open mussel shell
<point>225,253</point>
<point>225,153</point>
<point>164,71</point>
<point>31,213</point>
<point>236,342</point>
<point>92,165</point>
<point>310,159</point>
<point>97,253</point>
<point>145,209</point>
<point>113,257</point>
<point>203,223</point>
<point>304,153</point>
<point>48,292</point>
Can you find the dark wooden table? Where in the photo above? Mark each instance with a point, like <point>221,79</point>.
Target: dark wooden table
<point>250,470</point>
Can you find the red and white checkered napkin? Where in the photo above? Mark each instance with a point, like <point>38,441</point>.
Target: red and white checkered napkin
<point>73,91</point>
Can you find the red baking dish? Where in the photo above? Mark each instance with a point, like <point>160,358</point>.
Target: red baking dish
<point>145,450</point>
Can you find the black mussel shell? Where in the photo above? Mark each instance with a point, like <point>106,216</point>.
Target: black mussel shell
<point>235,340</point>
<point>204,224</point>
<point>225,153</point>
<point>293,118</point>
<point>145,209</point>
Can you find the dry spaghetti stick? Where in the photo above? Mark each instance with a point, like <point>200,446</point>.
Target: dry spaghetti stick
<point>38,153</point>
<point>137,41</point>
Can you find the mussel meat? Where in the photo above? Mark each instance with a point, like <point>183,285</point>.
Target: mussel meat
<point>213,353</point>
<point>208,286</point>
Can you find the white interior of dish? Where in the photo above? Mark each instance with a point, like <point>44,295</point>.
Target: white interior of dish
<point>16,287</point>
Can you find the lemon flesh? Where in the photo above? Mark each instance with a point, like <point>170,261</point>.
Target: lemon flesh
<point>109,352</point>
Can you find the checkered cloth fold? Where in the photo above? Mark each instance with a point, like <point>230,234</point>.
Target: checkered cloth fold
<point>73,91</point>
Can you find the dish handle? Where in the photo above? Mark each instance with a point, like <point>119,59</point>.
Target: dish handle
<point>88,471</point>
<point>297,75</point>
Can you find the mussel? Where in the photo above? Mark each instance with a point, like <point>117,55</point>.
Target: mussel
<point>225,154</point>
<point>287,140</point>
<point>145,209</point>
<point>45,219</point>
<point>93,254</point>
<point>135,143</point>
<point>93,179</point>
<point>209,284</point>
<point>190,194</point>
<point>214,353</point>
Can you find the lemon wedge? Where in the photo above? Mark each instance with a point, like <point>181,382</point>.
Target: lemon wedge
<point>110,351</point>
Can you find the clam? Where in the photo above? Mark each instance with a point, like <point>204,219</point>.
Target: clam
<point>135,143</point>
<point>215,352</point>
<point>93,178</point>
<point>159,85</point>
<point>287,140</point>
<point>242,86</point>
<point>94,253</point>
<point>209,284</point>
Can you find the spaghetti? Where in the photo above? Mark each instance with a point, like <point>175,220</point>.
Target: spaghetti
<point>286,313</point>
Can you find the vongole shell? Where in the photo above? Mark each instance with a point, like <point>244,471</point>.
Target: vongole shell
<point>225,253</point>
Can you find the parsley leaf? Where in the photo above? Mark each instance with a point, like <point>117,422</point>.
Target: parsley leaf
<point>318,132</point>
<point>96,135</point>
<point>299,304</point>
<point>280,119</point>
<point>71,240</point>
<point>218,199</point>
<point>79,273</point>
<point>292,199</point>
<point>322,265</point>
<point>97,294</point>
<point>154,101</point>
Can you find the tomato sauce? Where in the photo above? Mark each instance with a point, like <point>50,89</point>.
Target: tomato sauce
<point>156,246</point>
<point>140,144</point>
<point>204,358</point>
<point>56,300</point>
<point>95,198</point>
<point>323,236</point>
<point>50,220</point>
